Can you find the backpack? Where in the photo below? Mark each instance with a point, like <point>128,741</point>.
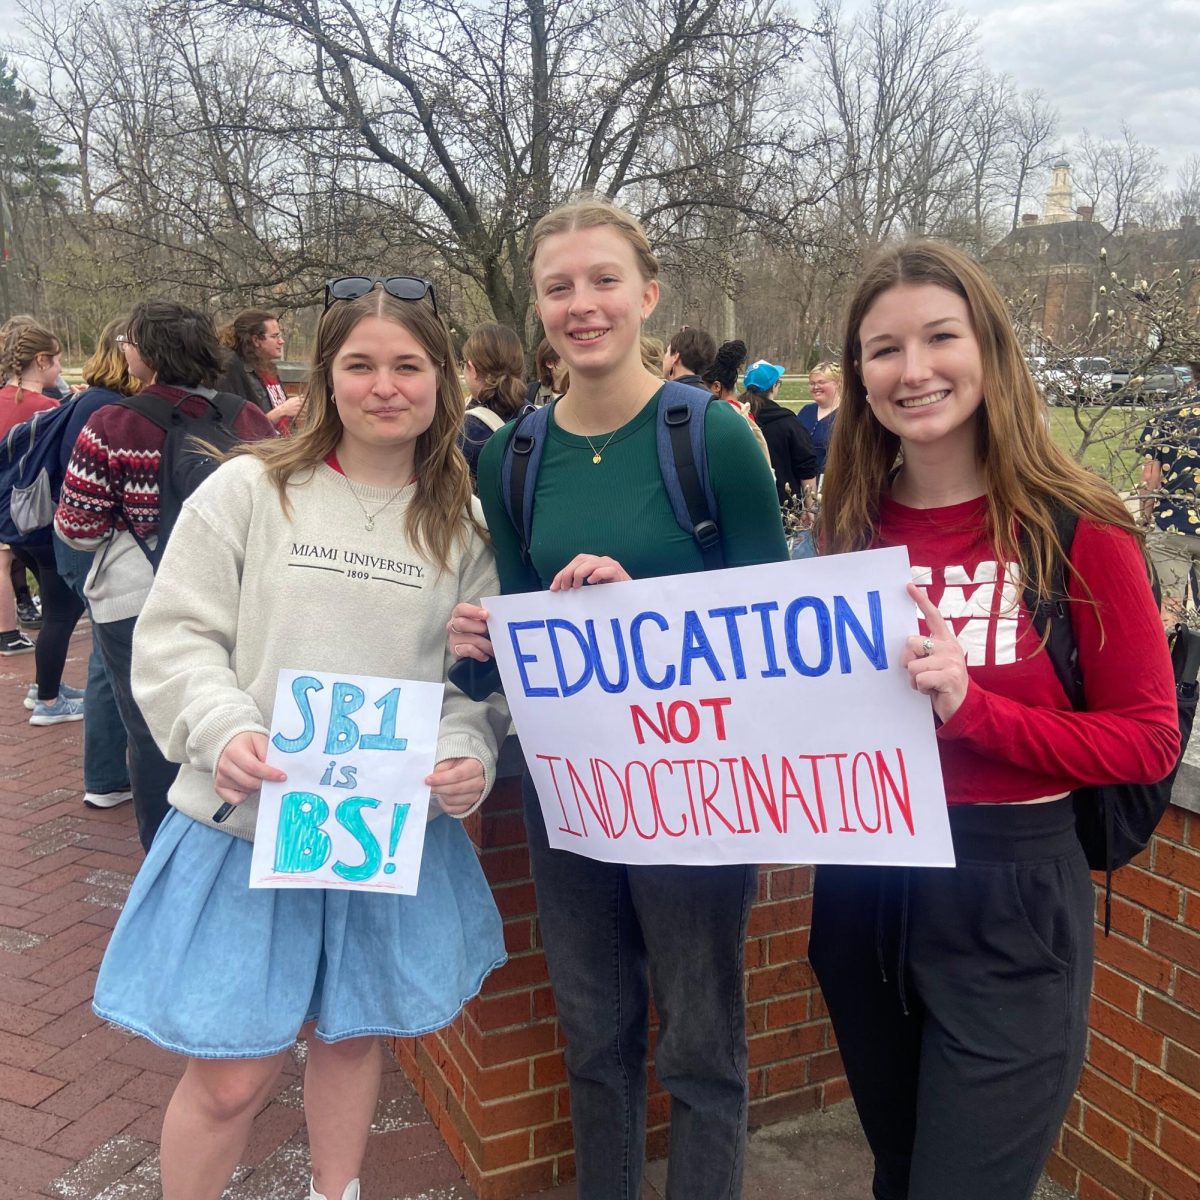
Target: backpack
<point>31,473</point>
<point>481,412</point>
<point>1115,821</point>
<point>187,459</point>
<point>682,459</point>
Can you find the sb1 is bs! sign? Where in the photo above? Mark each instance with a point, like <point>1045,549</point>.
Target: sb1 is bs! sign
<point>351,813</point>
<point>757,714</point>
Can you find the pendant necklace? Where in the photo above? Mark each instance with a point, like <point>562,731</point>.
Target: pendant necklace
<point>597,453</point>
<point>370,516</point>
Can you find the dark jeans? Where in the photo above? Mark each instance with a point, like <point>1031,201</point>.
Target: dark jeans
<point>150,774</point>
<point>960,1001</point>
<point>610,933</point>
<point>105,743</point>
<point>61,610</point>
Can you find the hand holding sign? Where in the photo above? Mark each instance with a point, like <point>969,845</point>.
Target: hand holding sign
<point>937,666</point>
<point>243,767</point>
<point>468,632</point>
<point>589,568</point>
<point>457,784</point>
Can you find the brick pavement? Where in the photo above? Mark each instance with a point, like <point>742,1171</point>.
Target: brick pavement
<point>81,1101</point>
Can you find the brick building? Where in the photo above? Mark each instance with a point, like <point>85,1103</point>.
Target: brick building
<point>1056,258</point>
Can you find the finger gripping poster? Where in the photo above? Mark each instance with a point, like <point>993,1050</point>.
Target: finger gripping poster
<point>756,714</point>
<point>351,814</point>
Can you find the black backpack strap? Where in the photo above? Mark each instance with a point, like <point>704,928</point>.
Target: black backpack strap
<point>1052,619</point>
<point>683,461</point>
<point>519,471</point>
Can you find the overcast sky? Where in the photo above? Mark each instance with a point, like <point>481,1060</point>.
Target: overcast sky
<point>1099,61</point>
<point>1104,61</point>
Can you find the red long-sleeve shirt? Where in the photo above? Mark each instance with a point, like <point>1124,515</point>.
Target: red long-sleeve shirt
<point>1016,737</point>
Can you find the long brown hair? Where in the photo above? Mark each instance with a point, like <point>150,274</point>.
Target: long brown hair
<point>440,513</point>
<point>240,334</point>
<point>23,341</point>
<point>107,367</point>
<point>1023,470</point>
<point>498,357</point>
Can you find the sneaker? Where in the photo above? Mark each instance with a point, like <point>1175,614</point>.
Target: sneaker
<point>64,689</point>
<point>29,614</point>
<point>15,642</point>
<point>54,714</point>
<point>106,799</point>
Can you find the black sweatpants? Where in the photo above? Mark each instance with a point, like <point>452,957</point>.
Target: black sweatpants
<point>960,1000</point>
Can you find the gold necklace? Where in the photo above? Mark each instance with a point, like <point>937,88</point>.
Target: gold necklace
<point>597,453</point>
<point>370,516</point>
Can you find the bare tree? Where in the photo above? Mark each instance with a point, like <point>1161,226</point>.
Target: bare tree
<point>1117,177</point>
<point>1034,125</point>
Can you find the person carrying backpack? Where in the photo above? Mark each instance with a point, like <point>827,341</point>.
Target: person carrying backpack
<point>110,502</point>
<point>959,995</point>
<point>602,511</point>
<point>31,358</point>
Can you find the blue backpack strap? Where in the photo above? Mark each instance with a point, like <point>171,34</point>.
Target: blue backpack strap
<point>683,461</point>
<point>519,471</point>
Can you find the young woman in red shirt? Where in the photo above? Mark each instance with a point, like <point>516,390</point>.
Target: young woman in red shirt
<point>960,996</point>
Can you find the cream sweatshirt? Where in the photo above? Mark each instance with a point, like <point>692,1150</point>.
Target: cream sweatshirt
<point>245,590</point>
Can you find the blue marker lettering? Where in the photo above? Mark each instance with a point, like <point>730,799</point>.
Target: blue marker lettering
<point>301,686</point>
<point>301,845</point>
<point>349,816</point>
<point>386,738</point>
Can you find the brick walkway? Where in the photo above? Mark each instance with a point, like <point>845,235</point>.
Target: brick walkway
<point>80,1101</point>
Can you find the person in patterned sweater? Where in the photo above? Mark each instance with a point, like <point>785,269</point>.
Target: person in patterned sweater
<point>112,483</point>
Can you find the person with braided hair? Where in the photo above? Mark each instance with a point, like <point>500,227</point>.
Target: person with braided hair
<point>31,358</point>
<point>494,371</point>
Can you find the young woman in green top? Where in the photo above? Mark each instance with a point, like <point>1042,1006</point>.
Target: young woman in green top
<point>611,931</point>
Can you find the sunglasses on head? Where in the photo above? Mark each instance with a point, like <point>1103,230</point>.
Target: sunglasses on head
<point>402,287</point>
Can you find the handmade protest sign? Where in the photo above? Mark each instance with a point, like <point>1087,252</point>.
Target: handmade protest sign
<point>757,714</point>
<point>351,814</point>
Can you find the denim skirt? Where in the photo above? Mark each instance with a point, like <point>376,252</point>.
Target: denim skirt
<point>203,964</point>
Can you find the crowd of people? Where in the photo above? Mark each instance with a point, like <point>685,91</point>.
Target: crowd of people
<point>959,996</point>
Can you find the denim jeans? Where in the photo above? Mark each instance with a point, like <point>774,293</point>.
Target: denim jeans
<point>105,744</point>
<point>611,932</point>
<point>150,774</point>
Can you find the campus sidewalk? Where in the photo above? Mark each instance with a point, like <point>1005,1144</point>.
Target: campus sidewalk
<point>81,1102</point>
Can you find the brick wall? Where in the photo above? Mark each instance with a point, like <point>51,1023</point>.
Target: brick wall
<point>1133,1129</point>
<point>494,1080</point>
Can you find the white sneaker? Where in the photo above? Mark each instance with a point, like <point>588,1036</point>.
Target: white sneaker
<point>106,799</point>
<point>351,1192</point>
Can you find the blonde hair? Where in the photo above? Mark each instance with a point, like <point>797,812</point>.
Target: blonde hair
<point>440,514</point>
<point>594,213</point>
<point>107,367</point>
<point>24,340</point>
<point>830,369</point>
<point>1023,471</point>
<point>652,349</point>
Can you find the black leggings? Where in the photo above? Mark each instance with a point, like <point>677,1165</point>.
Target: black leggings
<point>61,610</point>
<point>960,1000</point>
<point>21,562</point>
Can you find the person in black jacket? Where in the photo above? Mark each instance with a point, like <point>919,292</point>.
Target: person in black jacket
<point>788,442</point>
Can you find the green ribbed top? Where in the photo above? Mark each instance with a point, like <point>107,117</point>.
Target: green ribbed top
<point>620,508</point>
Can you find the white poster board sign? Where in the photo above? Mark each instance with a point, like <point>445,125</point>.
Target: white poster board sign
<point>351,814</point>
<point>756,714</point>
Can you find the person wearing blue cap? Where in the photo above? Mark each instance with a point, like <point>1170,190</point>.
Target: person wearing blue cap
<point>788,442</point>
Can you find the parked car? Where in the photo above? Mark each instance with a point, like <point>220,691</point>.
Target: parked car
<point>1080,380</point>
